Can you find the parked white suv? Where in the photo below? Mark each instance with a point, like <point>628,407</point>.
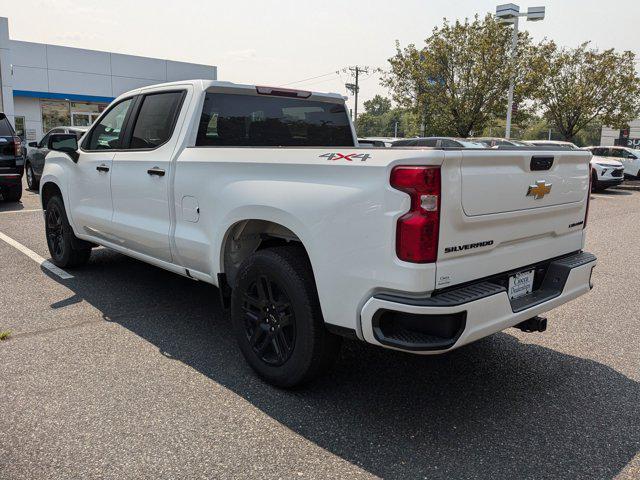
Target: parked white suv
<point>262,192</point>
<point>607,172</point>
<point>628,157</point>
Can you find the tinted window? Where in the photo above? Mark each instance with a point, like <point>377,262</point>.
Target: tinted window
<point>403,143</point>
<point>615,153</point>
<point>44,142</point>
<point>106,135</point>
<point>156,119</point>
<point>252,120</point>
<point>428,142</point>
<point>78,133</point>
<point>6,130</point>
<point>450,143</point>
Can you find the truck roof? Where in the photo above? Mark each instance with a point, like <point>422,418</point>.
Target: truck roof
<point>224,85</point>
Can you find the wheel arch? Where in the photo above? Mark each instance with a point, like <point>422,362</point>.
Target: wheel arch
<point>49,189</point>
<point>244,237</point>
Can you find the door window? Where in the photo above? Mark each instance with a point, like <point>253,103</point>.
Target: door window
<point>616,153</point>
<point>107,134</point>
<point>428,142</point>
<point>156,119</point>
<point>446,143</point>
<point>43,142</point>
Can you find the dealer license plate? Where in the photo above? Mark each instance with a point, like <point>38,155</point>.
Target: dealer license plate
<point>521,283</point>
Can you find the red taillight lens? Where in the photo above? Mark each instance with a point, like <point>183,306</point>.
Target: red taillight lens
<point>17,146</point>
<point>586,213</point>
<point>417,230</point>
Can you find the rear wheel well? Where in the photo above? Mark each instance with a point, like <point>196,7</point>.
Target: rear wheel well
<point>248,236</point>
<point>49,190</point>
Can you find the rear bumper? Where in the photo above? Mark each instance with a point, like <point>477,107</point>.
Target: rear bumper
<point>9,180</point>
<point>459,316</point>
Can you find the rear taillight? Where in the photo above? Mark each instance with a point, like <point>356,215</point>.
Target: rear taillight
<point>417,230</point>
<point>17,146</point>
<point>586,213</point>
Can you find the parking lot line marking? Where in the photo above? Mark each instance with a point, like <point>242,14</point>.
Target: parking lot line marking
<point>22,211</point>
<point>36,258</point>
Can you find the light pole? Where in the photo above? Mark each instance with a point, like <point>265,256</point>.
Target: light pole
<point>510,13</point>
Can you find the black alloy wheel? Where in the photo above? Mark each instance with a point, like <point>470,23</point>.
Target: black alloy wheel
<point>55,231</point>
<point>269,321</point>
<point>32,184</point>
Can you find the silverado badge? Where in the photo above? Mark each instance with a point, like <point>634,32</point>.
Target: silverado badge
<point>539,190</point>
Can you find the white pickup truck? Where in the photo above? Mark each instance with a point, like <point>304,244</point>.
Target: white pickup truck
<point>264,193</point>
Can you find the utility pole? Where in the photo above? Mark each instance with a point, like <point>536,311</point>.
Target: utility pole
<point>354,88</point>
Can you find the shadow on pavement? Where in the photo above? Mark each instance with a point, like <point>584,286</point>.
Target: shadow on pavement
<point>10,206</point>
<point>495,409</point>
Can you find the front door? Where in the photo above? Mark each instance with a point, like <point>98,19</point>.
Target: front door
<point>90,180</point>
<point>142,174</point>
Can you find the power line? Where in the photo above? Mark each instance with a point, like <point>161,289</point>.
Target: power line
<point>310,78</point>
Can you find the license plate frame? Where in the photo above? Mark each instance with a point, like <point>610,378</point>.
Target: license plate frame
<point>521,284</point>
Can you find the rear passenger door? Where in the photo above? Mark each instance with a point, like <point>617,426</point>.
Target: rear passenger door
<point>142,173</point>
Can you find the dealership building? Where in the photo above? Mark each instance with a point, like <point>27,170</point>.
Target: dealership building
<point>45,86</point>
<point>628,136</point>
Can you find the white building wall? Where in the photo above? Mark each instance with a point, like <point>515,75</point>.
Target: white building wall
<point>6,77</point>
<point>29,108</point>
<point>37,68</point>
<point>609,135</point>
<point>54,69</point>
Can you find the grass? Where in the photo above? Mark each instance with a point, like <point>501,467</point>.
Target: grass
<point>5,334</point>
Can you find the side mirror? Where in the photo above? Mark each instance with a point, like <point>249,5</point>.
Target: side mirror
<point>66,143</point>
<point>33,144</point>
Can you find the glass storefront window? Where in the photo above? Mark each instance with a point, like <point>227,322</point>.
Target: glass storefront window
<point>54,114</point>
<point>19,124</point>
<point>60,113</point>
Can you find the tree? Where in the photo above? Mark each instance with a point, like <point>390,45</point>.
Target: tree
<point>459,80</point>
<point>378,105</point>
<point>380,119</point>
<point>583,86</point>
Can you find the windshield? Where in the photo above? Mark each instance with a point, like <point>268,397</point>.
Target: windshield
<point>256,120</point>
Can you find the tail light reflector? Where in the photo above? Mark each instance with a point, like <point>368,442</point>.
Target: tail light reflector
<point>586,213</point>
<point>17,146</point>
<point>417,230</point>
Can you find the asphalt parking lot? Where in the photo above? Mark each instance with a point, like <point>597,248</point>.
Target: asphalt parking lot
<point>128,371</point>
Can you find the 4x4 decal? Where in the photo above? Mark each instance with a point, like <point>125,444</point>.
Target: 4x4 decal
<point>350,157</point>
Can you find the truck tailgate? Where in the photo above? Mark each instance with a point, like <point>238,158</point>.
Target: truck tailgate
<point>502,210</point>
<point>498,183</point>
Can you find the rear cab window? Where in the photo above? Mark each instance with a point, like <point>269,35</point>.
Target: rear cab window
<point>6,130</point>
<point>242,120</point>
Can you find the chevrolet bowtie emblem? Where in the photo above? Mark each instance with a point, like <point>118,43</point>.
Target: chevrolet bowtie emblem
<point>539,190</point>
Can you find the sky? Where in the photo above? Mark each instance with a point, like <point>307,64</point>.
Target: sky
<point>301,44</point>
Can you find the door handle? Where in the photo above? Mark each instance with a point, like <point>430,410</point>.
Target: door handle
<point>102,168</point>
<point>156,171</point>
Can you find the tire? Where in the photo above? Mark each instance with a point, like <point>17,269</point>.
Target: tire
<point>13,194</point>
<point>277,319</point>
<point>67,250</point>
<point>595,185</point>
<point>32,181</point>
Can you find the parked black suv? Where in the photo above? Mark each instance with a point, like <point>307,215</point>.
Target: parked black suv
<point>11,162</point>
